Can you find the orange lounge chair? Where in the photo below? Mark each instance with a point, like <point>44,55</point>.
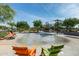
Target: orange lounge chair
<point>24,51</point>
<point>32,52</point>
<point>19,48</point>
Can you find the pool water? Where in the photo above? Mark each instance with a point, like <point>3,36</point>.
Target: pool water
<point>39,39</point>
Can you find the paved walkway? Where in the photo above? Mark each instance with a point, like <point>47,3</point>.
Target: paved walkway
<point>6,46</point>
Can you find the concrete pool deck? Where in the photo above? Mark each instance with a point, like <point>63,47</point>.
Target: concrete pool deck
<point>6,46</point>
<point>71,48</point>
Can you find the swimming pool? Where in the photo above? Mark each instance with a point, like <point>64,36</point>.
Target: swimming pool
<point>40,39</point>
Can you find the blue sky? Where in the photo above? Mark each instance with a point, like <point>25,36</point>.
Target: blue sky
<point>44,12</point>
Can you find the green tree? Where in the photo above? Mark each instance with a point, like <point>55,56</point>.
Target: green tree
<point>47,26</point>
<point>37,24</point>
<point>6,13</point>
<point>22,26</point>
<point>12,24</point>
<point>57,25</point>
<point>69,23</point>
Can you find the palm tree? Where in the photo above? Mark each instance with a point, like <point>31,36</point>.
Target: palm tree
<point>6,13</point>
<point>57,25</point>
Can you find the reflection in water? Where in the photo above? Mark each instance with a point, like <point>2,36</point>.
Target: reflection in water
<point>39,39</point>
<point>61,40</point>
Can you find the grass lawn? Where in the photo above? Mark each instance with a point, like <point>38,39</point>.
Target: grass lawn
<point>3,34</point>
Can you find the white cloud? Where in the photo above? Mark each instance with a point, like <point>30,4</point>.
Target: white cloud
<point>63,11</point>
<point>70,10</point>
<point>25,16</point>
